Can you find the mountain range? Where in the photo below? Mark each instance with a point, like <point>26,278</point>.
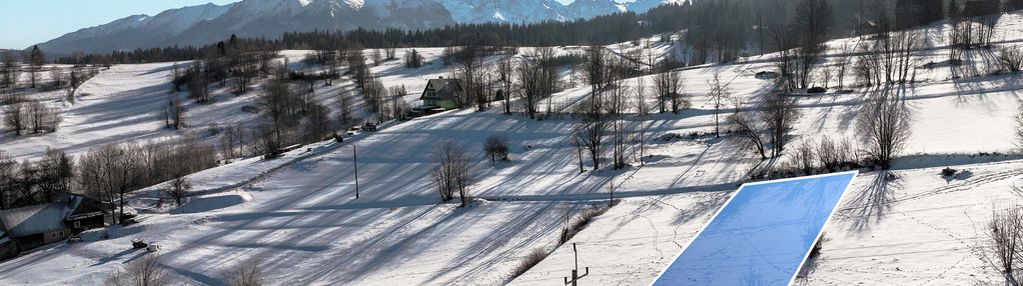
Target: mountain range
<point>203,24</point>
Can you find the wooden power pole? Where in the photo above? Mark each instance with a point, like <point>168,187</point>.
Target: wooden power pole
<point>575,272</point>
<point>355,160</point>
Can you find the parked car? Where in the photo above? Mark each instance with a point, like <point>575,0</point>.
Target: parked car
<point>353,131</point>
<point>369,126</point>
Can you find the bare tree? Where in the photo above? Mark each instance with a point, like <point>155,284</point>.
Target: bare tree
<point>57,76</point>
<point>470,73</point>
<point>544,56</point>
<point>275,102</point>
<point>884,126</point>
<point>779,116</point>
<point>246,273</point>
<point>496,147</point>
<point>842,65</point>
<point>1005,234</point>
<point>10,69</point>
<point>669,85</point>
<point>592,129</point>
<point>597,70</point>
<point>616,106</point>
<point>784,40</point>
<point>642,110</point>
<point>530,85</point>
<point>577,142</point>
<point>317,123</point>
<point>750,129</point>
<point>178,188</point>
<point>398,105</point>
<point>145,271</point>
<point>174,113</point>
<point>233,142</point>
<point>41,118</point>
<point>15,117</point>
<point>346,111</point>
<point>719,92</point>
<point>812,19</point>
<point>452,172</point>
<point>505,72</point>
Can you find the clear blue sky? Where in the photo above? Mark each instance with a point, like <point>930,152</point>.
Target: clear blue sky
<point>28,22</point>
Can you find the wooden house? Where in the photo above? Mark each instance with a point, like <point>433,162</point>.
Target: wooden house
<point>441,93</point>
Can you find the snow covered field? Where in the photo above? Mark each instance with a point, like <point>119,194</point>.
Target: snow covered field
<point>297,215</point>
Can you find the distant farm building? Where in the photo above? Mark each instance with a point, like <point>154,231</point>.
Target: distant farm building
<point>33,226</point>
<point>867,28</point>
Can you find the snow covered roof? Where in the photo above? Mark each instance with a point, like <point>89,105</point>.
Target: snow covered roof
<point>31,220</point>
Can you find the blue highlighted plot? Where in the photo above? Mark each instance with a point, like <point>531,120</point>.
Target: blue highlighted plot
<point>762,235</point>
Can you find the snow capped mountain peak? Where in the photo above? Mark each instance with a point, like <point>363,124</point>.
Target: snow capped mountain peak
<point>355,4</point>
<point>204,24</point>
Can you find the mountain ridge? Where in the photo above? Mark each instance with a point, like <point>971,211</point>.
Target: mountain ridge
<point>208,23</point>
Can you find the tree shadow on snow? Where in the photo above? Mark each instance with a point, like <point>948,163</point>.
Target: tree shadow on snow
<point>873,203</point>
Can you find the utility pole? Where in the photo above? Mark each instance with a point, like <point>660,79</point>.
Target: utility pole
<point>355,160</point>
<point>575,272</point>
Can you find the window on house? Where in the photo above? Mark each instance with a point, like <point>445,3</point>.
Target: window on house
<point>78,224</point>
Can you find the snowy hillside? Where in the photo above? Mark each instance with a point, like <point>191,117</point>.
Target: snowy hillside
<point>298,214</point>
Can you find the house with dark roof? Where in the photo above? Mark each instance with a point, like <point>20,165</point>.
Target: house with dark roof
<point>441,93</point>
<point>33,226</point>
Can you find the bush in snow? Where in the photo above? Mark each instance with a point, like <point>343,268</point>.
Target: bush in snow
<point>145,271</point>
<point>496,147</point>
<point>578,223</point>
<point>1011,59</point>
<point>532,259</point>
<point>247,273</point>
<point>948,172</point>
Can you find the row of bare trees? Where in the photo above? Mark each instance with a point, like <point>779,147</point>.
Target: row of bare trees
<point>31,117</point>
<point>149,270</point>
<point>110,172</point>
<point>887,60</point>
<point>883,125</point>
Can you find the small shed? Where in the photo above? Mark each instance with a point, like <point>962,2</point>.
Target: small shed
<point>442,92</point>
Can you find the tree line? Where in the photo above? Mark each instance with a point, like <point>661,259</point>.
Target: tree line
<point>106,173</point>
